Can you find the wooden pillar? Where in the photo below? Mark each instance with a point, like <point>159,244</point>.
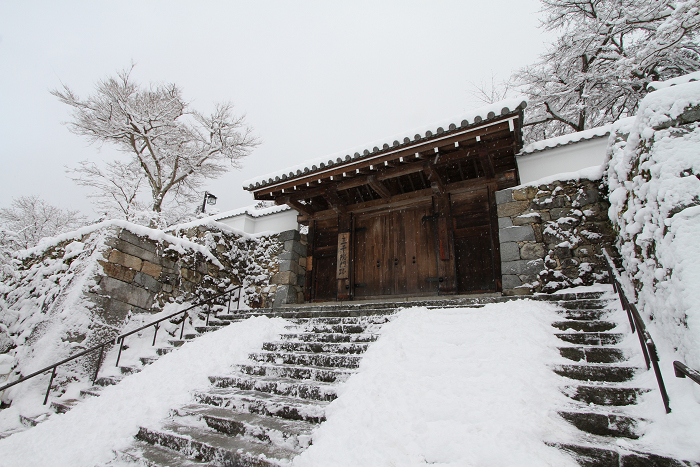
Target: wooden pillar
<point>445,253</point>
<point>344,255</point>
<point>309,261</point>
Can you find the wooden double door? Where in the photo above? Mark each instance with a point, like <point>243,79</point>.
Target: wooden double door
<point>395,253</point>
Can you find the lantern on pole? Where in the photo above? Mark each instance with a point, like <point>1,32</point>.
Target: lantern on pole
<point>208,199</point>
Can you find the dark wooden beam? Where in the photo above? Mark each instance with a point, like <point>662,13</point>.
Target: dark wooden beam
<point>302,208</point>
<point>334,201</point>
<point>486,162</point>
<point>378,187</point>
<point>436,182</point>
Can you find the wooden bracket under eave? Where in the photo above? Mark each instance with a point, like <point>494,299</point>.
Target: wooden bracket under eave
<point>378,187</point>
<point>436,182</point>
<point>296,205</point>
<point>334,201</point>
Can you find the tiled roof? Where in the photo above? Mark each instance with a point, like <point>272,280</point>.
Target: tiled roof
<point>473,118</point>
<point>656,85</point>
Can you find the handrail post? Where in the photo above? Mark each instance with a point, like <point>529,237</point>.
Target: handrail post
<point>230,295</point>
<point>120,341</point>
<point>53,375</point>
<point>182,329</point>
<point>99,361</point>
<point>659,378</point>
<point>240,292</point>
<point>156,326</point>
<point>206,323</point>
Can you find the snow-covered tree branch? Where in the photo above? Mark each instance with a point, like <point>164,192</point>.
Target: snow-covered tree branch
<point>171,146</point>
<point>606,56</point>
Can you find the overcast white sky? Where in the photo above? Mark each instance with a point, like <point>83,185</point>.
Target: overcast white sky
<point>313,77</point>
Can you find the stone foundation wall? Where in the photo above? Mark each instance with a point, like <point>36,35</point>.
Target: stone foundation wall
<point>289,281</point>
<point>551,236</point>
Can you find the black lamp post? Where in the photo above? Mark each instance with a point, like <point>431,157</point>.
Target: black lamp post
<point>208,199</point>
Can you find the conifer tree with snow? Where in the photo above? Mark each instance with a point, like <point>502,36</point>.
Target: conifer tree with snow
<point>607,53</point>
<point>169,146</point>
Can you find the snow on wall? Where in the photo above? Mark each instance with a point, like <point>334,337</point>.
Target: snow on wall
<point>654,180</point>
<point>546,161</point>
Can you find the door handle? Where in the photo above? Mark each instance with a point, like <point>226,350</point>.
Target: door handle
<point>396,261</point>
<point>378,265</point>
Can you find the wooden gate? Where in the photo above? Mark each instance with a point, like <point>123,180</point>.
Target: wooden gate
<point>395,253</point>
<point>476,245</point>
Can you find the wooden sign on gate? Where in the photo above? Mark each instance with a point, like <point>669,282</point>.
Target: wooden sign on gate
<point>343,256</point>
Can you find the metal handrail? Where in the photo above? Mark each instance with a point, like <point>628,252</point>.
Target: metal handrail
<point>120,340</point>
<point>651,357</point>
<point>682,370</point>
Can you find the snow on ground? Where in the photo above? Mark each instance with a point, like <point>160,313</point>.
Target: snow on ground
<point>452,387</point>
<point>86,435</point>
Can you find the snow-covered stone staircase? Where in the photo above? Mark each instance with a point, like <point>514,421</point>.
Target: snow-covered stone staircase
<point>264,411</point>
<point>599,382</point>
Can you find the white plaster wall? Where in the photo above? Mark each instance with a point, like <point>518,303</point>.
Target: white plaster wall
<point>570,158</point>
<point>278,222</point>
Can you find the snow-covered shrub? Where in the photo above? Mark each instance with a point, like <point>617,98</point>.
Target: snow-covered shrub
<point>654,181</point>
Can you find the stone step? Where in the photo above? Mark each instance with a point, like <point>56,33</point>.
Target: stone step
<point>147,360</point>
<point>160,351</point>
<point>591,338</point>
<point>584,326</point>
<point>302,358</point>
<point>311,373</point>
<point>330,337</point>
<point>604,395</point>
<point>585,315</point>
<point>358,320</point>
<point>261,403</point>
<point>315,347</point>
<point>211,446</point>
<point>108,380</point>
<point>275,385</point>
<point>177,342</point>
<point>32,421</point>
<point>93,391</point>
<point>569,296</point>
<point>203,329</point>
<point>292,434</point>
<point>606,373</point>
<point>588,455</point>
<point>147,455</point>
<point>63,406</point>
<point>603,424</point>
<point>127,370</point>
<point>593,354</point>
<point>588,304</point>
<point>336,328</point>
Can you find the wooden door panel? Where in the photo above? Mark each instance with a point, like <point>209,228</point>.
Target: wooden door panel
<point>326,284</point>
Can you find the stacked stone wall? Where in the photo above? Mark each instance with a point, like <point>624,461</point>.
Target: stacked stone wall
<point>551,236</point>
<point>290,279</point>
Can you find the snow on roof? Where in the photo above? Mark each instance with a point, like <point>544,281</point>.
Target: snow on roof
<point>252,211</point>
<point>592,173</point>
<point>213,221</point>
<point>585,135</point>
<point>360,152</point>
<point>656,85</point>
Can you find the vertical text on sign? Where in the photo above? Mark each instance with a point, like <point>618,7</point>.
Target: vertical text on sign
<point>343,255</point>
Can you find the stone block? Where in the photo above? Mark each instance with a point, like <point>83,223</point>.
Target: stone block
<point>504,222</point>
<point>147,282</point>
<point>522,267</point>
<point>504,196</point>
<point>302,263</point>
<point>289,235</point>
<point>532,251</point>
<point>168,264</point>
<point>141,242</point>
<point>284,278</point>
<point>518,291</point>
<point>548,202</point>
<point>537,229</point>
<point>285,295</point>
<point>558,213</point>
<point>288,255</point>
<point>127,293</point>
<point>293,266</point>
<point>125,259</point>
<point>511,281</point>
<point>562,252</point>
<point>523,233</point>
<point>301,280</point>
<point>296,247</point>
<point>522,194</point>
<point>151,269</point>
<point>527,218</point>
<point>589,196</point>
<point>510,251</point>
<point>190,275</point>
<point>117,271</point>
<point>201,267</point>
<point>569,263</point>
<point>512,209</point>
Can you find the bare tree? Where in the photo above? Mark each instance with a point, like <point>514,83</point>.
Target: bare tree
<point>606,56</point>
<point>30,218</point>
<point>116,187</point>
<point>490,92</point>
<point>174,147</point>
